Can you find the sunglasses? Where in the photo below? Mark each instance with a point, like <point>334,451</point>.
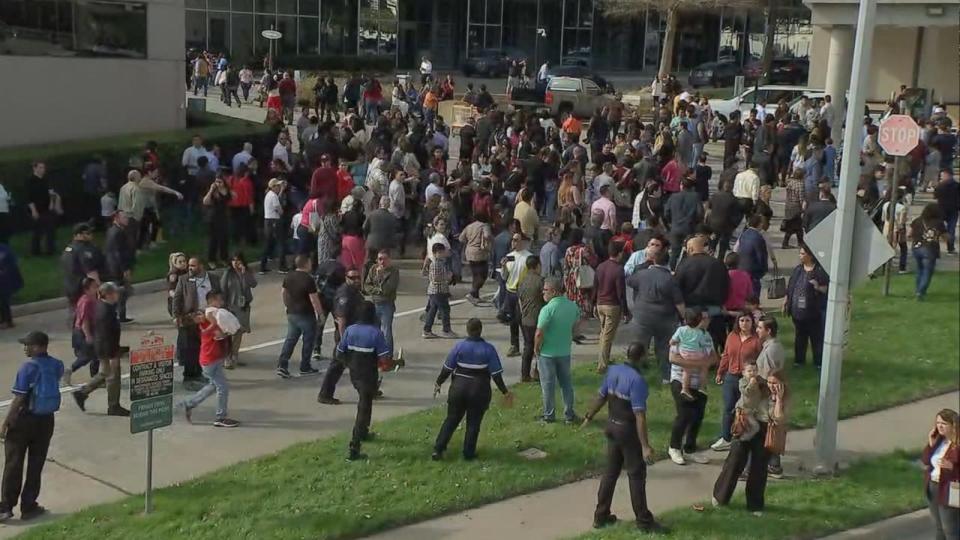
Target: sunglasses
<point>353,278</point>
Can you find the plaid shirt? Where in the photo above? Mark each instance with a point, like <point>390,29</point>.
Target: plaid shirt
<point>439,277</point>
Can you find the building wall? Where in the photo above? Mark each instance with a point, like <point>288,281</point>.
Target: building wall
<point>942,72</point>
<point>893,53</point>
<point>60,99</point>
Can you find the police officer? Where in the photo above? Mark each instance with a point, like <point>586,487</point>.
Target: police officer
<point>625,391</point>
<point>346,303</point>
<point>472,362</point>
<point>363,349</point>
<point>80,259</point>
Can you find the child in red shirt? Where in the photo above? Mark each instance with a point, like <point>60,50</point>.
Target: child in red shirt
<point>213,352</point>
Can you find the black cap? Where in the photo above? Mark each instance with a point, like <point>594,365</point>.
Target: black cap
<point>35,338</point>
<point>82,227</point>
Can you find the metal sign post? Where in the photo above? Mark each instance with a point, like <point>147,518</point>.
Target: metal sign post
<point>892,220</point>
<point>271,35</point>
<point>828,405</point>
<point>151,396</point>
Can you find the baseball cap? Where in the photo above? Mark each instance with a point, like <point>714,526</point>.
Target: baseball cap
<point>82,227</point>
<point>35,338</point>
<point>273,183</point>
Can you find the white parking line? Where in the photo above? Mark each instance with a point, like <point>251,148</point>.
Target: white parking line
<point>264,345</point>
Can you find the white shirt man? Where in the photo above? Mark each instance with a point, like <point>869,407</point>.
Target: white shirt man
<point>242,157</point>
<point>397,197</point>
<point>426,67</point>
<point>542,73</point>
<point>281,150</point>
<point>272,209</point>
<point>746,185</point>
<point>192,154</point>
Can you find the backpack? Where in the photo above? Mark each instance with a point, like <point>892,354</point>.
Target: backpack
<point>44,396</point>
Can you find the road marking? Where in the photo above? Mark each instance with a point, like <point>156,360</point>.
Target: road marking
<point>264,345</point>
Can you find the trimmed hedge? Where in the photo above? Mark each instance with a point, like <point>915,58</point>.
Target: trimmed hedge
<point>336,63</point>
<point>67,160</point>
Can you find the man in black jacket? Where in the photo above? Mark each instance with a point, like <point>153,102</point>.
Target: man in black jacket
<point>725,215</point>
<point>704,283</point>
<point>80,259</point>
<point>682,213</point>
<point>816,211</point>
<point>121,256</point>
<point>106,343</point>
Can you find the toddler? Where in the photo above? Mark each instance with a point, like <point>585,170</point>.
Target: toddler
<point>749,408</point>
<point>694,344</point>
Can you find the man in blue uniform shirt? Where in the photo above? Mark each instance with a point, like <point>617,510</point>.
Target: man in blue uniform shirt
<point>362,349</point>
<point>472,362</point>
<point>625,391</point>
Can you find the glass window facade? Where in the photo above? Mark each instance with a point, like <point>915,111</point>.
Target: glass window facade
<point>568,31</point>
<point>87,28</point>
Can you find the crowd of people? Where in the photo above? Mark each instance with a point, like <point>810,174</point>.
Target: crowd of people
<point>622,222</point>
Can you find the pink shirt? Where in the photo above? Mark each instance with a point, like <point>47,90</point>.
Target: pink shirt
<point>609,211</point>
<point>671,176</point>
<point>740,288</point>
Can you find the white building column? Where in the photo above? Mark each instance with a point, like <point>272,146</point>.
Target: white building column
<point>839,64</point>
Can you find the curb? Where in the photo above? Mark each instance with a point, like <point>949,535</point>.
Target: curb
<point>895,528</point>
<point>144,287</point>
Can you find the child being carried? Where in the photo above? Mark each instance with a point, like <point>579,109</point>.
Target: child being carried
<point>752,405</point>
<point>694,344</point>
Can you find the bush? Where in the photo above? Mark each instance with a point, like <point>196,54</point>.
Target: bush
<point>356,64</point>
<point>66,161</point>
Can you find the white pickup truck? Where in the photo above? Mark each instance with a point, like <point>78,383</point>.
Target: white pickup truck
<point>769,94</point>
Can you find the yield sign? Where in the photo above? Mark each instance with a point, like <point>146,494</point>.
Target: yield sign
<point>898,135</point>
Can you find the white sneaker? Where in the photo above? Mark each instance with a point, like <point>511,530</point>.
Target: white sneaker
<point>67,372</point>
<point>676,456</point>
<point>697,458</point>
<point>722,445</point>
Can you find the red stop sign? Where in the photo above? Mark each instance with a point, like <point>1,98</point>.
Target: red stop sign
<point>898,135</point>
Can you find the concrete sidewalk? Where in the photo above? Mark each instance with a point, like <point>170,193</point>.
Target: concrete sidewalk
<point>913,526</point>
<point>570,507</point>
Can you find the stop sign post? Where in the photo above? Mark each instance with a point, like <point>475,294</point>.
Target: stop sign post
<point>898,136</point>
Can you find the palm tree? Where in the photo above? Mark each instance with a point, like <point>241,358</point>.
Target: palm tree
<point>673,9</point>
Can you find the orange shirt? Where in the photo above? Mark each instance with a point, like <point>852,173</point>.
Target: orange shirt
<point>572,125</point>
<point>431,101</point>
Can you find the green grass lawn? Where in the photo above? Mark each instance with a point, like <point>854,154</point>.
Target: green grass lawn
<point>871,490</point>
<point>43,277</point>
<point>900,350</point>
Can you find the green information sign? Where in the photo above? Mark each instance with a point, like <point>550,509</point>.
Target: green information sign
<point>151,385</point>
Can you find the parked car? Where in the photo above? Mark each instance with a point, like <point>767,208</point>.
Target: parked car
<point>714,74</point>
<point>491,62</point>
<point>793,71</point>
<point>770,94</point>
<point>579,96</point>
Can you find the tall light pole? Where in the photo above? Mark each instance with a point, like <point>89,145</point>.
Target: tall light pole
<point>838,299</point>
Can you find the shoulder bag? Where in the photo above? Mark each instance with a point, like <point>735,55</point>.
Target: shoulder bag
<point>776,439</point>
<point>585,272</point>
<point>777,285</point>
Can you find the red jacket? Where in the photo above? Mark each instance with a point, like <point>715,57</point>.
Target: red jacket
<point>241,191</point>
<point>946,475</point>
<point>345,184</point>
<point>323,183</point>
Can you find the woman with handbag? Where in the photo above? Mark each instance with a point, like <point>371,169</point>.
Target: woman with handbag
<point>941,474</point>
<point>578,266</point>
<point>925,234</point>
<point>769,441</point>
<point>806,303</point>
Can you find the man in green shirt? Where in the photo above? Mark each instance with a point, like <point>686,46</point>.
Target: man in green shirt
<point>552,343</point>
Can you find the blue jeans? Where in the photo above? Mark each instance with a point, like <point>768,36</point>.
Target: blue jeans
<point>555,370</point>
<point>697,152</point>
<point>297,325</point>
<point>551,202</point>
<point>216,382</point>
<point>438,303</point>
<point>951,222</point>
<point>385,313</point>
<point>926,262</point>
<point>84,352</point>
<point>731,393</point>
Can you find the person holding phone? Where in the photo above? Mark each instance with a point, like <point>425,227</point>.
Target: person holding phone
<point>941,474</point>
<point>472,363</point>
<point>625,392</point>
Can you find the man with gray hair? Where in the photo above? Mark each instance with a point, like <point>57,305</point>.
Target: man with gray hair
<point>242,157</point>
<point>380,229</point>
<point>106,344</point>
<point>551,345</point>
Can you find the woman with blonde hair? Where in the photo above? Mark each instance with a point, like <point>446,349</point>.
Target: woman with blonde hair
<point>941,474</point>
<point>176,267</point>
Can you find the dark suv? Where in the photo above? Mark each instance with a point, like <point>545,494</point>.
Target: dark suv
<point>793,71</point>
<point>490,62</point>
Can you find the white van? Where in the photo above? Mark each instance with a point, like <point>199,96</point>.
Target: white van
<point>769,94</point>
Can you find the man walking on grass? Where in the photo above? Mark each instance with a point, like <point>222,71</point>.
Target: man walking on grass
<point>610,299</point>
<point>551,345</point>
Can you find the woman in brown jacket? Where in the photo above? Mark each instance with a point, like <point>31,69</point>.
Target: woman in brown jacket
<point>941,460</point>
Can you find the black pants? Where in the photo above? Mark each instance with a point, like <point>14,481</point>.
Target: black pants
<point>336,368</point>
<point>513,311</point>
<point>273,232</point>
<point>720,244</point>
<point>740,452</point>
<point>468,396</point>
<point>217,246</point>
<point>364,379</point>
<point>526,361</point>
<point>686,424</point>
<point>6,314</point>
<point>43,228</point>
<point>808,330</point>
<point>188,351</point>
<point>243,229</point>
<point>479,270</point>
<point>27,442</point>
<point>149,227</point>
<point>623,451</point>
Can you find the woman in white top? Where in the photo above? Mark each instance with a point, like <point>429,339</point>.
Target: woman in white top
<point>941,468</point>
